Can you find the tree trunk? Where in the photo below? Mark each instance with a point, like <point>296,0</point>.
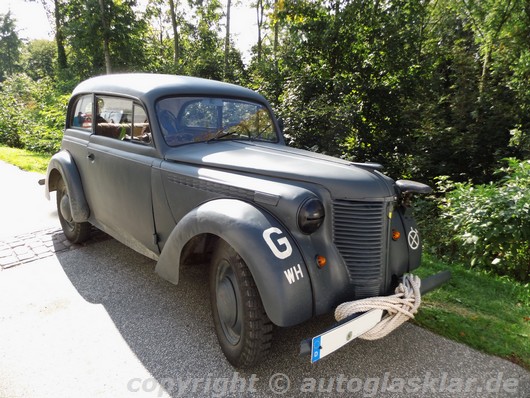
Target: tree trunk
<point>106,46</point>
<point>176,45</point>
<point>259,21</point>
<point>62,62</point>
<point>485,70</point>
<point>227,39</point>
<point>276,34</point>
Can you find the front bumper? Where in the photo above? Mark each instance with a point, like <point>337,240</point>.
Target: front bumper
<point>357,324</point>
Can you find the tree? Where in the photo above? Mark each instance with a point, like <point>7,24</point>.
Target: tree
<point>260,22</point>
<point>10,45</point>
<point>39,59</point>
<point>468,106</point>
<point>411,84</point>
<point>55,11</point>
<point>159,44</point>
<point>205,55</point>
<point>173,13</point>
<point>488,19</point>
<point>349,68</point>
<point>104,35</point>
<point>62,61</point>
<point>227,38</point>
<point>105,30</point>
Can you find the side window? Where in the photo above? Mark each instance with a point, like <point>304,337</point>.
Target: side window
<point>82,113</point>
<point>122,119</point>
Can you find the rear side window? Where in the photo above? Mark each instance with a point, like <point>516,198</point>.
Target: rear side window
<point>82,113</point>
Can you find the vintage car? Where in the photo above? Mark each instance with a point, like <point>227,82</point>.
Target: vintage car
<point>187,170</point>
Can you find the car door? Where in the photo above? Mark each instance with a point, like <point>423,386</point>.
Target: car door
<point>117,181</point>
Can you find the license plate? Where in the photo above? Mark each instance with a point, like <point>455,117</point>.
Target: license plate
<point>339,336</point>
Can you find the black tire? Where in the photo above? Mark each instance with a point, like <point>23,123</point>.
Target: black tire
<point>76,232</point>
<point>243,328</point>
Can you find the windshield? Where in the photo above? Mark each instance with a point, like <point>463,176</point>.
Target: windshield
<point>199,119</point>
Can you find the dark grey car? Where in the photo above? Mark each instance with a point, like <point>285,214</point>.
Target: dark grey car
<point>185,170</point>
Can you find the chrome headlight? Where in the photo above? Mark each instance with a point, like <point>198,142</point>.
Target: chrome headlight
<point>310,215</point>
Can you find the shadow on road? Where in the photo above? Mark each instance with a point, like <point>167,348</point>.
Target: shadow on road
<point>170,330</point>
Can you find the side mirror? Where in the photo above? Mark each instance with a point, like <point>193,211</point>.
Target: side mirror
<point>408,188</point>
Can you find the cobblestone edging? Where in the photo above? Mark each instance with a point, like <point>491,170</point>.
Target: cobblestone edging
<point>33,246</point>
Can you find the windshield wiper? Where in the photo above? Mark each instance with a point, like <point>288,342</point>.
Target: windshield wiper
<point>257,137</point>
<point>221,133</point>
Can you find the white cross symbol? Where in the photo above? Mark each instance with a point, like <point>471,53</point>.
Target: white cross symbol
<point>413,238</point>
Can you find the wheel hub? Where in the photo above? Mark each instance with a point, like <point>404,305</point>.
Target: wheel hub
<point>227,303</point>
<point>65,209</point>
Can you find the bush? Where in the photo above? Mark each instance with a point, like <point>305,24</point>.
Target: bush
<point>12,100</point>
<point>490,223</point>
<point>434,230</point>
<point>32,114</point>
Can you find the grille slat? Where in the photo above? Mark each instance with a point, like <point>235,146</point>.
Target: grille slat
<point>359,235</point>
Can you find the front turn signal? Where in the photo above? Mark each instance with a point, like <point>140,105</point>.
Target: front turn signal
<point>321,261</point>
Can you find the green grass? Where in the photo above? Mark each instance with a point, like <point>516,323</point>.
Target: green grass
<point>26,160</point>
<point>487,312</point>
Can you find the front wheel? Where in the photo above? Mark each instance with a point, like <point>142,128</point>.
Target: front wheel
<point>76,232</point>
<point>243,328</point>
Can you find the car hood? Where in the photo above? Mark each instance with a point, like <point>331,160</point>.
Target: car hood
<point>343,179</point>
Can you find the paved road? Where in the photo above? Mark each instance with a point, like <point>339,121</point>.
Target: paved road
<point>23,207</point>
<point>96,321</point>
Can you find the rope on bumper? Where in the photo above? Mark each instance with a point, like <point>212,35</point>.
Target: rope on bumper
<point>400,307</point>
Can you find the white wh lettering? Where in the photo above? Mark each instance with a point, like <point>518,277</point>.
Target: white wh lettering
<point>294,274</point>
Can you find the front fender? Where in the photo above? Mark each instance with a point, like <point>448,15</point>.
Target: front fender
<point>62,165</point>
<point>262,242</point>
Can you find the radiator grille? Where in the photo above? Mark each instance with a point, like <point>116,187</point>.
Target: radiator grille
<point>359,235</point>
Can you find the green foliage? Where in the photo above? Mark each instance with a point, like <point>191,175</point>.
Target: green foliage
<point>490,223</point>
<point>86,35</point>
<point>12,99</point>
<point>415,85</point>
<point>38,59</point>
<point>31,114</point>
<point>352,78</point>
<point>203,51</point>
<point>10,45</point>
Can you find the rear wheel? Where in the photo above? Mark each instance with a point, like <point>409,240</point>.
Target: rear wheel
<point>76,232</point>
<point>243,329</point>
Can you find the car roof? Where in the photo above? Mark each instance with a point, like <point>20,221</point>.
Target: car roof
<point>150,86</point>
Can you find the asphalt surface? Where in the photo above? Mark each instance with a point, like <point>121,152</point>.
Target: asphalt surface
<point>95,320</point>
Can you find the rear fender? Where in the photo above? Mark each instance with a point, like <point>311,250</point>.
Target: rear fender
<point>262,242</point>
<point>62,165</point>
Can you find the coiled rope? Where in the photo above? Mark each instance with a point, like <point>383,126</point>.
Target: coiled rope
<point>400,307</point>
